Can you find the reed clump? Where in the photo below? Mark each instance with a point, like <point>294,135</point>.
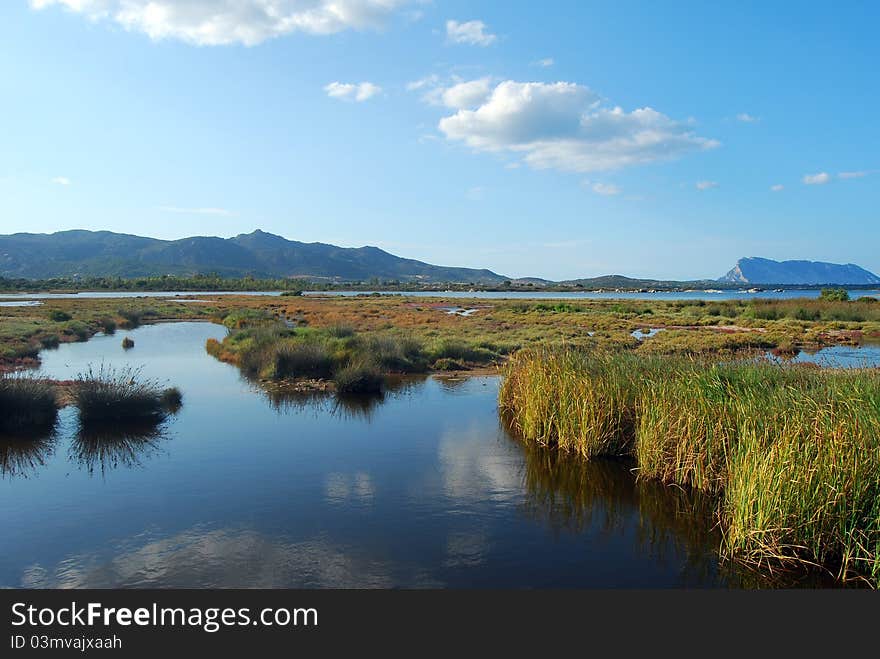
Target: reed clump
<point>26,404</point>
<point>354,362</point>
<point>110,395</point>
<point>792,455</point>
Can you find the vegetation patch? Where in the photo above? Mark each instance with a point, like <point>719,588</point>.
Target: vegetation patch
<point>110,395</point>
<point>791,454</point>
<point>26,404</point>
<point>357,362</point>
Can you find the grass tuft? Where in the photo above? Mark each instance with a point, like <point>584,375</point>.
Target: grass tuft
<point>111,395</point>
<point>26,404</point>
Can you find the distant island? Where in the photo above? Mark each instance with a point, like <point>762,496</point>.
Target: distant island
<point>755,270</point>
<point>80,260</point>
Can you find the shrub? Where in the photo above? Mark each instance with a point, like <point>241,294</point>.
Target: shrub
<point>461,351</point>
<point>50,341</point>
<point>359,378</point>
<point>26,404</point>
<point>834,295</point>
<point>108,325</point>
<point>302,359</point>
<point>247,318</point>
<point>59,316</point>
<point>120,395</point>
<point>131,318</point>
<point>340,331</point>
<point>447,364</point>
<point>391,353</point>
<point>77,330</point>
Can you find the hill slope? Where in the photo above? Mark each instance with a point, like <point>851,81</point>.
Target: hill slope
<point>766,271</point>
<point>258,254</point>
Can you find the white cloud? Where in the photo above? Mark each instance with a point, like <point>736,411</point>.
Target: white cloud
<point>223,22</point>
<point>465,95</point>
<point>605,189</point>
<point>470,32</point>
<point>817,179</point>
<point>706,185</point>
<point>747,118</point>
<point>455,92</point>
<point>428,81</point>
<point>564,126</point>
<point>196,211</point>
<point>777,188</point>
<point>352,92</point>
<point>545,63</point>
<point>61,180</point>
<point>849,175</point>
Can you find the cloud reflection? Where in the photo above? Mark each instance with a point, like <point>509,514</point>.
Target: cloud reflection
<point>221,558</point>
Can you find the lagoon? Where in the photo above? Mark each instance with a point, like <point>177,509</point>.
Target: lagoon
<point>422,488</point>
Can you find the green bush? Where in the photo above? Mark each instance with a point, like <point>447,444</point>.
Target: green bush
<point>50,341</point>
<point>834,295</point>
<point>447,364</point>
<point>26,404</point>
<point>110,395</point>
<point>59,316</point>
<point>360,378</point>
<point>460,351</point>
<point>77,330</point>
<point>306,359</point>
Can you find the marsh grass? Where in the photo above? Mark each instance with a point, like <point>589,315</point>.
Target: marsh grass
<point>26,404</point>
<point>111,395</point>
<point>359,378</point>
<point>791,454</point>
<point>355,362</point>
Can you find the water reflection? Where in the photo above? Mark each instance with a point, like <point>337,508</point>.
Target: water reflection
<point>215,558</point>
<point>105,447</point>
<point>572,495</point>
<point>673,524</point>
<point>286,399</point>
<point>350,488</point>
<point>22,455</point>
<point>866,355</point>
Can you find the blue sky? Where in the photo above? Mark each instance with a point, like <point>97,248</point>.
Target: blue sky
<point>559,139</point>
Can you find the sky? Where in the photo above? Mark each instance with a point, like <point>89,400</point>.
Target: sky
<point>558,139</point>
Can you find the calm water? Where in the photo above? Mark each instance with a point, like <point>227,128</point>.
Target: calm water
<point>863,356</point>
<point>537,295</point>
<point>493,295</point>
<point>423,488</point>
<point>126,294</point>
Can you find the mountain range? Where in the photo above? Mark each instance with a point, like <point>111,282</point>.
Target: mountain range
<point>80,253</point>
<point>258,254</point>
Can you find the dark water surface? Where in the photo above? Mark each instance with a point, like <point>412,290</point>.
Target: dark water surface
<point>423,488</point>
